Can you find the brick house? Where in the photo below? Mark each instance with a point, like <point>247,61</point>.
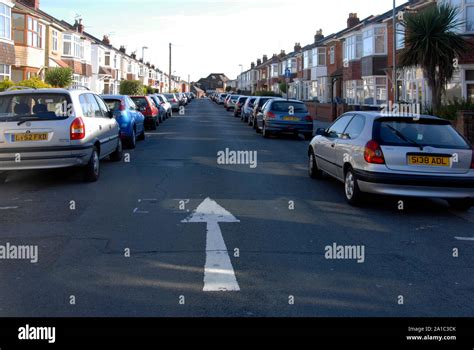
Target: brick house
<point>7,48</point>
<point>213,82</point>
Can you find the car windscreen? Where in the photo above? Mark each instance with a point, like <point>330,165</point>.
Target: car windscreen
<point>113,104</point>
<point>424,132</point>
<point>141,102</point>
<point>34,106</point>
<point>169,96</point>
<point>262,101</point>
<point>286,106</point>
<point>160,98</point>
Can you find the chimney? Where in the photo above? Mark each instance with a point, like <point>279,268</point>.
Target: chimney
<point>31,3</point>
<point>78,26</point>
<point>133,55</point>
<point>297,47</point>
<point>252,65</point>
<point>282,53</point>
<point>259,62</point>
<point>319,36</point>
<point>353,20</point>
<point>106,40</point>
<point>123,49</point>
<point>265,58</point>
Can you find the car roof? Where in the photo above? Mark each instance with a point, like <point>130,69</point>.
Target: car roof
<point>113,96</point>
<point>380,114</point>
<point>45,91</point>
<point>285,100</point>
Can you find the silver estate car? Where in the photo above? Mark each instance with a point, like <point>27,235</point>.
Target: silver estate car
<point>56,128</point>
<point>411,156</point>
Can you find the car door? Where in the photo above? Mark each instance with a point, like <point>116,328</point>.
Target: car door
<point>346,144</point>
<point>325,147</point>
<point>138,118</point>
<point>110,126</point>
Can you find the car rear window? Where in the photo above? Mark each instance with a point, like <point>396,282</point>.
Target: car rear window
<point>285,106</point>
<point>426,132</point>
<point>113,104</point>
<point>34,106</point>
<point>141,102</point>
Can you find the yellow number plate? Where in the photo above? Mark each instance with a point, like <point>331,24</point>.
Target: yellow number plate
<point>30,137</point>
<point>429,161</point>
<point>291,118</point>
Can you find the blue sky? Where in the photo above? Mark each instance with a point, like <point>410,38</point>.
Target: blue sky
<point>211,35</point>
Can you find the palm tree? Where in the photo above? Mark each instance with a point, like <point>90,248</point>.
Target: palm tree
<point>432,43</point>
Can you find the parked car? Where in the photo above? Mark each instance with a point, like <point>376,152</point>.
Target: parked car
<point>247,109</point>
<point>130,120</point>
<point>161,109</point>
<point>393,155</point>
<point>173,100</point>
<point>239,106</point>
<point>56,128</point>
<point>166,105</point>
<point>231,101</point>
<point>280,116</point>
<point>221,99</point>
<point>148,108</point>
<point>226,101</point>
<point>183,101</point>
<point>257,108</point>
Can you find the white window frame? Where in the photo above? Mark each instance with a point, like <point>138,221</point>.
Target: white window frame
<point>353,47</point>
<point>55,40</point>
<point>369,34</point>
<point>5,72</point>
<point>7,21</point>
<point>377,88</point>
<point>332,55</point>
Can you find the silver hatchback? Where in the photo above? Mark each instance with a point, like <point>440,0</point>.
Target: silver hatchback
<point>415,156</point>
<point>56,128</point>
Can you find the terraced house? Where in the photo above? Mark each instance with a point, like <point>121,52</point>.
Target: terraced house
<point>7,48</point>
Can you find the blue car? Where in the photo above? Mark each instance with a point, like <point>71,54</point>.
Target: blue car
<point>279,116</point>
<point>131,121</point>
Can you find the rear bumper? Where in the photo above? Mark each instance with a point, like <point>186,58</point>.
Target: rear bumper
<point>46,158</point>
<point>416,185</point>
<point>304,128</point>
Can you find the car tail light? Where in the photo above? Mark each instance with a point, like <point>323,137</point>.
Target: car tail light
<point>373,153</point>
<point>271,115</point>
<point>78,129</point>
<point>472,160</point>
<point>174,100</point>
<point>308,118</point>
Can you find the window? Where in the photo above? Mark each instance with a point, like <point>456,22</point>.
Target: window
<point>18,28</point>
<point>5,72</point>
<point>353,47</point>
<point>55,40</point>
<point>374,41</point>
<point>466,14</point>
<point>35,33</point>
<point>375,90</point>
<point>321,56</point>
<point>470,85</point>
<point>307,59</point>
<point>400,36</point>
<point>336,130</point>
<point>332,55</point>
<point>107,59</point>
<point>73,46</point>
<point>78,47</point>
<point>67,45</point>
<point>355,127</point>
<point>354,92</point>
<point>5,22</point>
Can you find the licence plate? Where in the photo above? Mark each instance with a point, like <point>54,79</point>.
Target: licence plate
<point>30,137</point>
<point>429,161</point>
<point>291,118</point>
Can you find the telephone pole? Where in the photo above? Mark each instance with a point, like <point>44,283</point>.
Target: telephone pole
<point>169,76</point>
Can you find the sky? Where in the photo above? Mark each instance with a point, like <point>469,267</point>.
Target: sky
<point>211,36</point>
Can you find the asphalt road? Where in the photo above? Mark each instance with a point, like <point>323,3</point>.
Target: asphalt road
<point>136,206</point>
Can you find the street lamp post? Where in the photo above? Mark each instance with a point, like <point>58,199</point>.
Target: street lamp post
<point>241,78</point>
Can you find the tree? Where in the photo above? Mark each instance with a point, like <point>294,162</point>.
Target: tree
<point>59,77</point>
<point>431,42</point>
<point>283,87</point>
<point>131,87</point>
<point>228,89</point>
<point>149,90</point>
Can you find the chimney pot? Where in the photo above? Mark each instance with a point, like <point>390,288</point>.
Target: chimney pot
<point>31,3</point>
<point>353,20</point>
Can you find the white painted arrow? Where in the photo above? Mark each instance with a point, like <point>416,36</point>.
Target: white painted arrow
<point>219,275</point>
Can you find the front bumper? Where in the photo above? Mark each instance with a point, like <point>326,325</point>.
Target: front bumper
<point>44,158</point>
<point>416,185</point>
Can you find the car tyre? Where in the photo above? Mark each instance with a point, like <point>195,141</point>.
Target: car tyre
<point>351,187</point>
<point>92,169</point>
<point>265,133</point>
<point>132,142</point>
<point>153,125</point>
<point>460,204</point>
<point>117,155</point>
<point>313,170</point>
<point>141,137</point>
<point>3,177</point>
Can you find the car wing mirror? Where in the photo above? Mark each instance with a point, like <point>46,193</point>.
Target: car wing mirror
<point>321,132</point>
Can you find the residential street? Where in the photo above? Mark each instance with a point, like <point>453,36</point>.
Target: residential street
<point>281,252</point>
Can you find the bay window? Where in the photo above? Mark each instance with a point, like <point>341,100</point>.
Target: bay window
<point>353,47</point>
<point>35,33</point>
<point>308,59</point>
<point>5,72</point>
<point>375,90</point>
<point>332,55</point>
<point>354,92</point>
<point>73,46</point>
<point>19,28</point>
<point>318,56</point>
<point>5,22</point>
<point>400,36</point>
<point>374,41</point>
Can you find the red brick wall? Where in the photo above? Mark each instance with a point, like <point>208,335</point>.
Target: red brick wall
<point>465,124</point>
<point>468,58</point>
<point>332,68</point>
<point>7,54</point>
<point>353,72</point>
<point>75,65</point>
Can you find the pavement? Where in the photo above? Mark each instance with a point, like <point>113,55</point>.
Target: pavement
<point>174,233</point>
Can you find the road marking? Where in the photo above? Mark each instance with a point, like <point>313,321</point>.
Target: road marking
<point>219,275</point>
<point>8,208</point>
<point>147,200</point>
<point>136,211</point>
<point>465,238</point>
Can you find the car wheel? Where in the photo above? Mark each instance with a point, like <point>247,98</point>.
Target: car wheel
<point>3,177</point>
<point>313,170</point>
<point>132,142</point>
<point>141,137</point>
<point>117,155</point>
<point>92,169</point>
<point>352,191</point>
<point>460,204</point>
<point>249,121</point>
<point>153,125</point>
<point>265,132</point>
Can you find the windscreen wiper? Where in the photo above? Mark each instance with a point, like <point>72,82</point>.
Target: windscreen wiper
<point>28,119</point>
<point>405,138</point>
